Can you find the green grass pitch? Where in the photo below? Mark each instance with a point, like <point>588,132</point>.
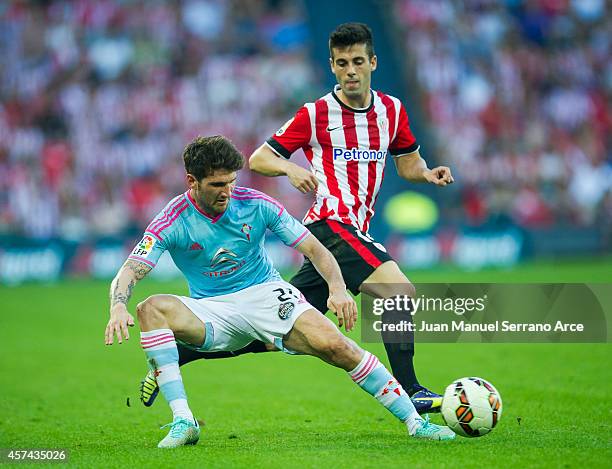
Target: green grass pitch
<point>62,388</point>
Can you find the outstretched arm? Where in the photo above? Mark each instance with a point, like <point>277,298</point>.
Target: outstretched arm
<point>265,161</point>
<point>340,302</point>
<point>412,167</point>
<point>120,293</point>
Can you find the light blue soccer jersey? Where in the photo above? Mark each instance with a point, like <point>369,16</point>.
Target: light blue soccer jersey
<point>223,254</point>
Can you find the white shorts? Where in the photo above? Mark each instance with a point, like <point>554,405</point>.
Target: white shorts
<point>264,312</point>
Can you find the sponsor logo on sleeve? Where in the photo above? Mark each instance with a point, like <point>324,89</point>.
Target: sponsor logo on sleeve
<point>144,247</point>
<point>281,131</point>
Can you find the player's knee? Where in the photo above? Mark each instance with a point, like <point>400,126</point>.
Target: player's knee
<point>148,308</point>
<point>392,290</point>
<point>399,290</point>
<point>338,350</point>
<point>141,311</point>
<point>405,289</point>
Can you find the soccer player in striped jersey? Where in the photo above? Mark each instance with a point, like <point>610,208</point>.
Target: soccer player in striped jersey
<point>346,136</point>
<point>215,234</point>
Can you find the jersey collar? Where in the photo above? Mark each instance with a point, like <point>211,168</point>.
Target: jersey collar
<point>210,218</point>
<point>353,109</point>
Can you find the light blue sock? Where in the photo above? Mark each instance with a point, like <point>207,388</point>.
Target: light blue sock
<point>162,355</point>
<point>376,380</point>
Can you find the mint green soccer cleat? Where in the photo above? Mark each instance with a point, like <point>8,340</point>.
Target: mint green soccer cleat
<point>431,431</point>
<point>148,389</point>
<point>182,432</point>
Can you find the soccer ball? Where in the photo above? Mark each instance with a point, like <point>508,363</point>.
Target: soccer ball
<point>471,407</point>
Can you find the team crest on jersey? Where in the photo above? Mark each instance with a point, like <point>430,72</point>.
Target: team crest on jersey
<point>285,310</point>
<point>383,125</point>
<point>144,247</point>
<point>246,230</point>
<point>281,131</point>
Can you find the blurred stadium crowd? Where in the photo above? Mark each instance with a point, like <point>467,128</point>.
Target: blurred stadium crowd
<point>97,99</point>
<point>518,98</point>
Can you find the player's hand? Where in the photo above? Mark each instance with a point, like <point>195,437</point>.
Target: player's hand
<point>302,179</point>
<point>118,324</point>
<point>344,307</point>
<point>440,176</point>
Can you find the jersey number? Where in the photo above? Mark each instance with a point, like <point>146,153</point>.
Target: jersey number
<point>285,294</point>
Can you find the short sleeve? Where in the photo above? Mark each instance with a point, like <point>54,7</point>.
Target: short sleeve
<point>148,250</point>
<point>404,141</point>
<point>295,134</point>
<point>282,224</point>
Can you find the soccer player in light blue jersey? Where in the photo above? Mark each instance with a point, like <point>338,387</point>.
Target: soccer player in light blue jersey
<point>215,234</point>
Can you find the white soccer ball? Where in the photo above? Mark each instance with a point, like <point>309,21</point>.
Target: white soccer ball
<point>471,407</point>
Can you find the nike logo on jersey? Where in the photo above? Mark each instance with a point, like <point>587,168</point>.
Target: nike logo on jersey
<point>331,129</point>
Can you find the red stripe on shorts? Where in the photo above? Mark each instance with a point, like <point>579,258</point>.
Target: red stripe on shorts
<point>355,243</point>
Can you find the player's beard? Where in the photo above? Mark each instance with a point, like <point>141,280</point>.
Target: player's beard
<point>212,208</point>
<point>216,207</point>
<point>220,206</point>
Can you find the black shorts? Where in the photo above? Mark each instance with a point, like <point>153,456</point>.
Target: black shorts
<point>357,254</point>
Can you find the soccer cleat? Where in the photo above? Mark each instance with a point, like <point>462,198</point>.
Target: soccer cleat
<point>148,389</point>
<point>182,432</point>
<point>425,401</point>
<point>431,431</point>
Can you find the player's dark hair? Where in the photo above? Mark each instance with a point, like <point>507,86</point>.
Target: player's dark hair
<point>205,155</point>
<point>348,34</point>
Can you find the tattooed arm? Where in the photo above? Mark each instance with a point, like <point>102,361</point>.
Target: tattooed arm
<point>120,293</point>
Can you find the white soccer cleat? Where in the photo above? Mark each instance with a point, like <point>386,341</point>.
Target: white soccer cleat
<point>182,432</point>
<point>431,431</point>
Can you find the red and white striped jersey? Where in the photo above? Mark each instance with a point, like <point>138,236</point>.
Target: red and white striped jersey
<point>347,150</point>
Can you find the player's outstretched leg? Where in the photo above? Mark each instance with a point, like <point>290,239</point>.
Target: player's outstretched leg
<point>400,351</point>
<point>316,335</point>
<point>159,317</point>
<point>388,281</point>
<point>149,388</point>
